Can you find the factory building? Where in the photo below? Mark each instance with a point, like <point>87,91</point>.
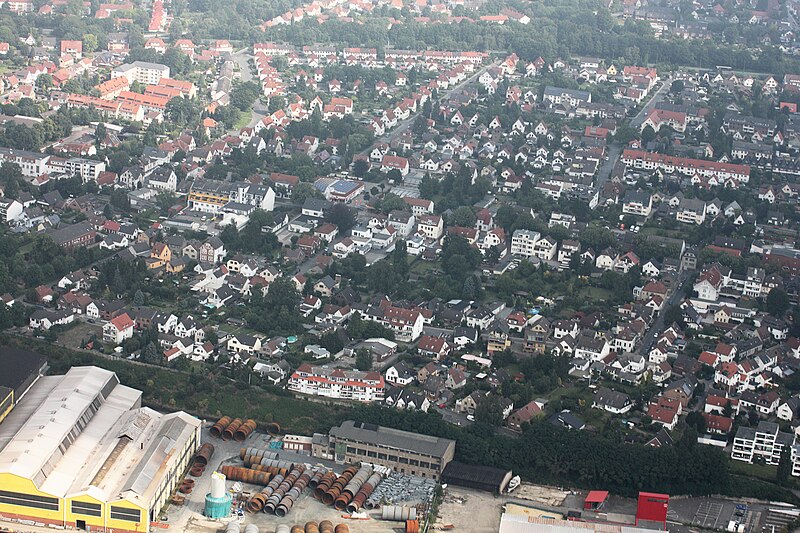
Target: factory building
<point>403,451</point>
<point>80,451</point>
<point>21,369</point>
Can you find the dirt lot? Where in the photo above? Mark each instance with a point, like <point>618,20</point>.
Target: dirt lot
<point>468,510</point>
<point>73,337</point>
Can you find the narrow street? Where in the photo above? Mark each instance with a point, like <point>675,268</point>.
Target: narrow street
<point>407,123</point>
<point>658,325</point>
<point>636,122</point>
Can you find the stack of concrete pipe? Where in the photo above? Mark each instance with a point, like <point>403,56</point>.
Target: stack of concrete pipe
<point>246,475</point>
<point>364,492</point>
<point>204,453</point>
<point>291,496</point>
<point>217,429</point>
<point>315,479</point>
<point>283,488</point>
<point>252,454</point>
<point>352,488</point>
<point>257,502</point>
<point>324,484</point>
<point>338,486</point>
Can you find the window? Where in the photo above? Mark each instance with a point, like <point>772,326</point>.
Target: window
<point>85,508</point>
<point>28,500</point>
<point>126,514</point>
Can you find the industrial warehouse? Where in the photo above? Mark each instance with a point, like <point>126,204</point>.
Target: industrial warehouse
<point>80,451</point>
<point>402,451</point>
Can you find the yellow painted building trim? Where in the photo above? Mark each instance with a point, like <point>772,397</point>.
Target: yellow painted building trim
<point>91,521</point>
<point>8,401</point>
<point>113,523</point>
<point>15,483</point>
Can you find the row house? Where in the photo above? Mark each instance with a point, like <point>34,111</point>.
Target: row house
<point>337,383</point>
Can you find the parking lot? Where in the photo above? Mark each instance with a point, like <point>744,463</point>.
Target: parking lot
<point>707,515</point>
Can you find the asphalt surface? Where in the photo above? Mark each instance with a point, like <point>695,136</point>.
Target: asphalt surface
<point>657,97</point>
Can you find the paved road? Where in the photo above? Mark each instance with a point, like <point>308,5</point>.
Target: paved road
<point>658,96</point>
<point>242,58</point>
<point>406,124</point>
<point>604,173</point>
<point>658,325</point>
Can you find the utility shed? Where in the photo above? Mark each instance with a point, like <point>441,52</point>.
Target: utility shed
<point>595,500</point>
<point>476,477</point>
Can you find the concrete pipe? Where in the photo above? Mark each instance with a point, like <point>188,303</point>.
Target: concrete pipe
<point>341,502</point>
<point>359,479</point>
<point>217,429</point>
<point>330,497</point>
<point>324,484</point>
<point>227,434</point>
<point>315,479</point>
<point>398,513</point>
<point>204,453</point>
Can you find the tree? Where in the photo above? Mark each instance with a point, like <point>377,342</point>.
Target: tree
<point>89,43</point>
<point>777,302</point>
<point>489,411</point>
<point>244,95</point>
<point>304,191</point>
<point>429,187</point>
<point>648,134</point>
<point>342,216</point>
<point>674,314</point>
<point>360,168</point>
<point>463,216</point>
<point>784,466</point>
<point>696,421</point>
<point>677,87</point>
<point>363,360</point>
<point>391,202</point>
<point>138,298</point>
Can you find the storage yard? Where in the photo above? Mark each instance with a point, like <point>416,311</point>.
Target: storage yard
<point>273,488</point>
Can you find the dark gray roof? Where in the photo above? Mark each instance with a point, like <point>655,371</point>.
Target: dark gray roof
<point>394,438</point>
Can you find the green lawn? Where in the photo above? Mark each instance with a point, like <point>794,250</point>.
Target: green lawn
<point>243,121</point>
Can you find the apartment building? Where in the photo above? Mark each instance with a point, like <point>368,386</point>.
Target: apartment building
<point>403,451</point>
<point>642,160</point>
<point>213,196</point>
<point>764,443</point>
<point>141,71</point>
<point>338,383</point>
<point>637,203</point>
<point>523,243</point>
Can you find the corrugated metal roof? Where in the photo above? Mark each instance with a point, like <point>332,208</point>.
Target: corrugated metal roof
<point>95,462</point>
<point>55,423</point>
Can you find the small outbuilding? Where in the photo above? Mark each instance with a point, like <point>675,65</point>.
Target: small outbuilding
<point>477,477</point>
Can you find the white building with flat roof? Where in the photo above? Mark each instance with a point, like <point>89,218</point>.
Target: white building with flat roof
<point>141,71</point>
